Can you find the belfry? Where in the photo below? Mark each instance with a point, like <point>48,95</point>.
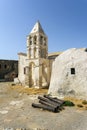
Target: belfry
<point>34,68</point>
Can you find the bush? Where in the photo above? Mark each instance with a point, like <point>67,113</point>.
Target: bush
<point>69,103</point>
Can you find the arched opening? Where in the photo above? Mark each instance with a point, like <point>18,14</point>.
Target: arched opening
<point>5,66</point>
<point>30,40</point>
<point>35,40</point>
<point>41,40</point>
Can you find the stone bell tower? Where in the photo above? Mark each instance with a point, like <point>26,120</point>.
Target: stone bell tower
<point>37,58</point>
<point>37,46</point>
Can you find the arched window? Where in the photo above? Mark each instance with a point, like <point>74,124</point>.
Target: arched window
<point>41,39</point>
<point>35,40</point>
<point>30,39</point>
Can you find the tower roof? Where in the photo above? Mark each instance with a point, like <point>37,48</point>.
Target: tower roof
<point>37,28</point>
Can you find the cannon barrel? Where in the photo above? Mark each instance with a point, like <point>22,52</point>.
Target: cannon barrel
<point>59,101</point>
<point>44,107</point>
<point>48,104</point>
<point>49,101</point>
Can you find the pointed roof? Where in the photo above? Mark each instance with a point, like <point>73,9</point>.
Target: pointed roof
<point>37,28</point>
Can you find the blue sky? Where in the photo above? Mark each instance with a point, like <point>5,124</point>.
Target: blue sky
<point>64,22</point>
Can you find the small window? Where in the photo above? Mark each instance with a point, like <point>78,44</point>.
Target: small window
<point>72,70</point>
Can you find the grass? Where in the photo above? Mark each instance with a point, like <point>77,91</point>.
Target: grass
<point>79,103</point>
<point>29,91</point>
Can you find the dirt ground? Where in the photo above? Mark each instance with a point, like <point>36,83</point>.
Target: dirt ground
<point>16,112</point>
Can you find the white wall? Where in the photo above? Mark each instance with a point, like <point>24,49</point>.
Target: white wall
<point>63,83</point>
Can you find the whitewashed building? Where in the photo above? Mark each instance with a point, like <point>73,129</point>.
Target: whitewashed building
<point>70,76</point>
<point>35,66</point>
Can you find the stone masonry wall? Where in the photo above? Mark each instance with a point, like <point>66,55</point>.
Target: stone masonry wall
<point>8,70</point>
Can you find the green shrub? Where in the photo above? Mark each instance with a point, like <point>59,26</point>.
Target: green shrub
<point>69,103</point>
